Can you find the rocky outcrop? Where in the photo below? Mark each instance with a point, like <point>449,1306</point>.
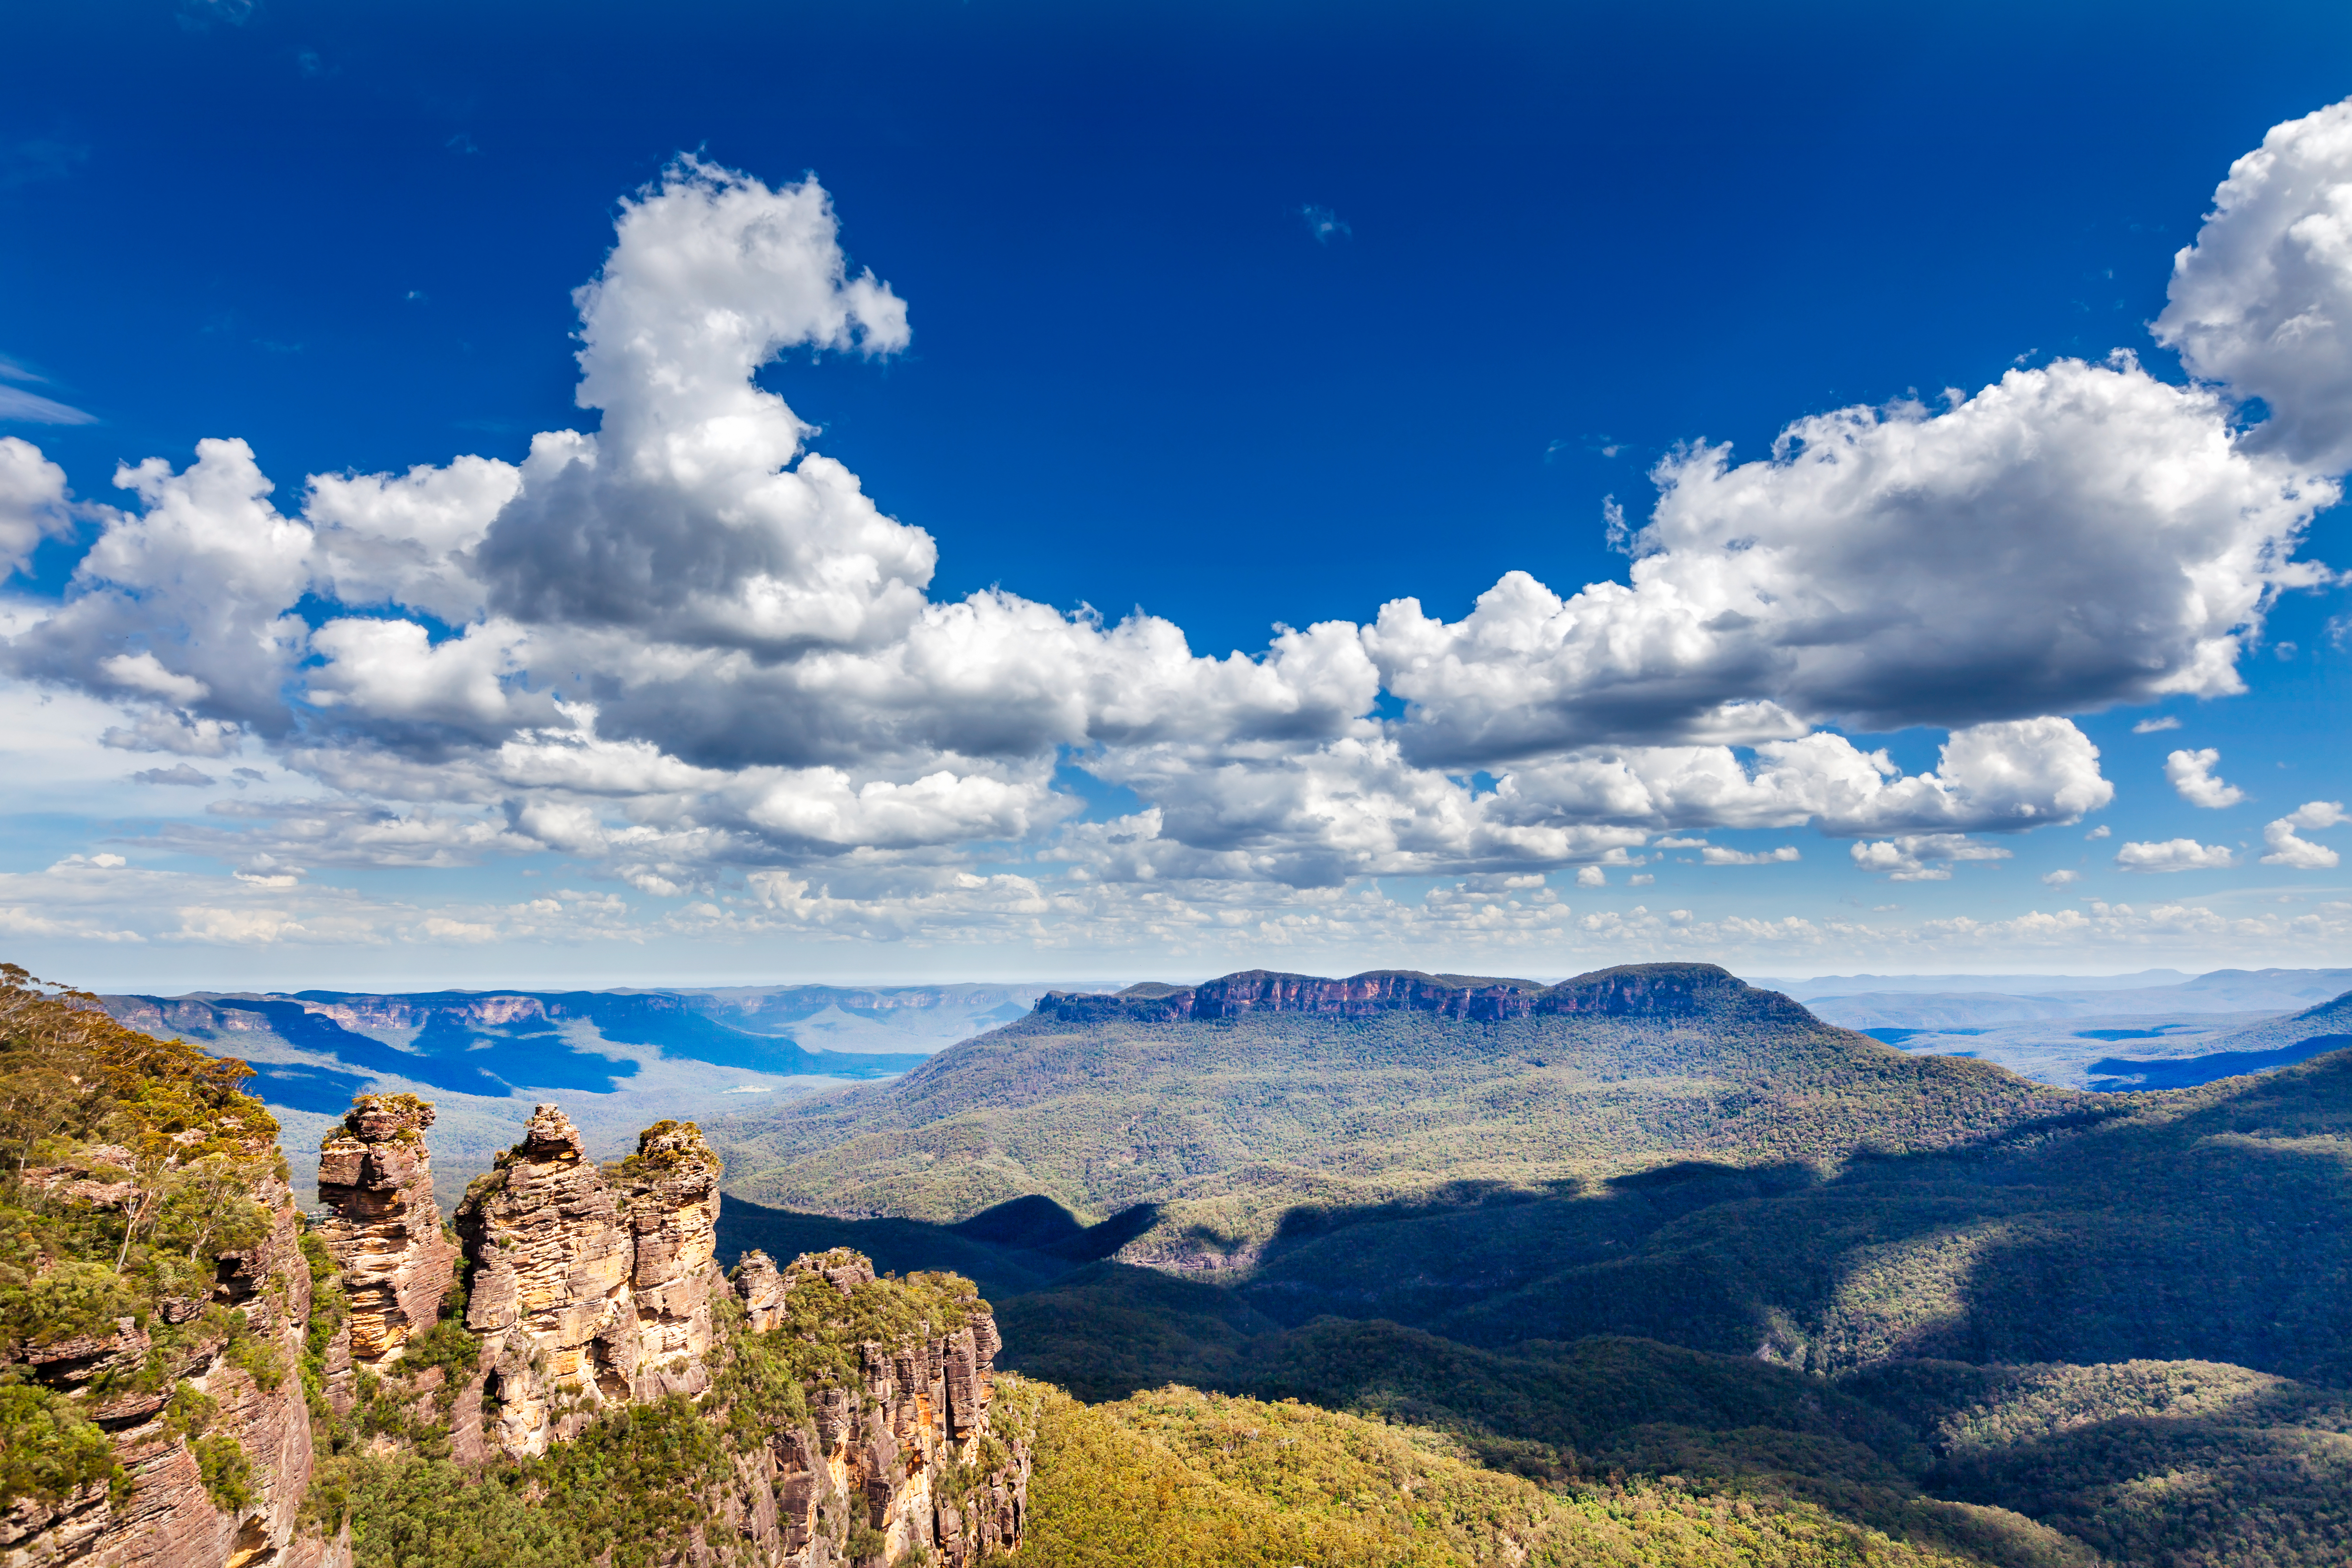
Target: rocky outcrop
<point>589,1290</point>
<point>238,1364</point>
<point>386,1237</point>
<point>1660,990</point>
<point>899,1460</point>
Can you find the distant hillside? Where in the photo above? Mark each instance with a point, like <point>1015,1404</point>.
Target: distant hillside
<point>1234,1104</point>
<point>1661,1151</point>
<point>2275,1043</point>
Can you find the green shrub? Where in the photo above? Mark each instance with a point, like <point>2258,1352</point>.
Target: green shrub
<point>227,1473</point>
<point>48,1447</point>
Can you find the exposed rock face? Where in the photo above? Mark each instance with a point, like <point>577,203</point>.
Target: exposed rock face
<point>590,1292</point>
<point>386,1238</point>
<point>902,1460</point>
<point>1646,989</point>
<point>168,1520</point>
<point>591,1288</point>
<point>761,1289</point>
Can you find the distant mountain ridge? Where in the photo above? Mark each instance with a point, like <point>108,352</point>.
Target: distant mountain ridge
<point>2275,1043</point>
<point>1659,989</point>
<point>451,1025</point>
<point>1229,1103</point>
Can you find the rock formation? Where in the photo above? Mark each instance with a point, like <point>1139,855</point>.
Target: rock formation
<point>590,1292</point>
<point>899,1461</point>
<point>386,1238</point>
<point>591,1288</point>
<point>240,1358</point>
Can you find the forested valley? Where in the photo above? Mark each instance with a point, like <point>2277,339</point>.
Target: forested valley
<point>1649,1267</point>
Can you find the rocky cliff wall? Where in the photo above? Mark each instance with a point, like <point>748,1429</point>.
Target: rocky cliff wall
<point>898,1458</point>
<point>842,1420</point>
<point>386,1238</point>
<point>200,1404</point>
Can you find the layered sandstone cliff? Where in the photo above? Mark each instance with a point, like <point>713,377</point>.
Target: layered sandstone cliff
<point>589,1290</point>
<point>385,1238</point>
<point>201,1404</point>
<point>899,1460</point>
<point>854,1414</point>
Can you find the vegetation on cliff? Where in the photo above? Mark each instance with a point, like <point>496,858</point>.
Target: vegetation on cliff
<point>132,1171</point>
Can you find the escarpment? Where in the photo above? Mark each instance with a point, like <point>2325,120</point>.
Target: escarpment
<point>153,1298</point>
<point>1657,990</point>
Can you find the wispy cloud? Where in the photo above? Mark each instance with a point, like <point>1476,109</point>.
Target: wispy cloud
<point>2175,854</point>
<point>177,774</point>
<point>31,408</point>
<point>198,16</point>
<point>1325,224</point>
<point>1715,855</point>
<point>2156,726</point>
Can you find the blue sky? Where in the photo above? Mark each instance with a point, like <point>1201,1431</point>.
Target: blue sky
<point>1237,316</point>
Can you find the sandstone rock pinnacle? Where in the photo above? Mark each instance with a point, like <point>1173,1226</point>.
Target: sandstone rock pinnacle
<point>589,1289</point>
<point>386,1238</point>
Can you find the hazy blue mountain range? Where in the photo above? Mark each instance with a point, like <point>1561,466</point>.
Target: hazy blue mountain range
<point>2274,1043</point>
<point>614,1058</point>
<point>2062,1028</point>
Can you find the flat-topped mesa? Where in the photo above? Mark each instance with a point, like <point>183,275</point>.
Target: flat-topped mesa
<point>376,1173</point>
<point>589,1291</point>
<point>1661,990</point>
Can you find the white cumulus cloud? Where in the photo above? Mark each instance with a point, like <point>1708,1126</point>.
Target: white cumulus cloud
<point>2288,848</point>
<point>1922,857</point>
<point>2262,301</point>
<point>2192,774</point>
<point>2175,854</point>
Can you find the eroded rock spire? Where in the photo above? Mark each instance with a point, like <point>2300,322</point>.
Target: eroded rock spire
<point>386,1238</point>
<point>590,1288</point>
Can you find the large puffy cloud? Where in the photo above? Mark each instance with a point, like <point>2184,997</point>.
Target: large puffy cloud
<point>2068,538</point>
<point>682,516</point>
<point>404,541</point>
<point>188,603</point>
<point>692,651</point>
<point>2262,301</point>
